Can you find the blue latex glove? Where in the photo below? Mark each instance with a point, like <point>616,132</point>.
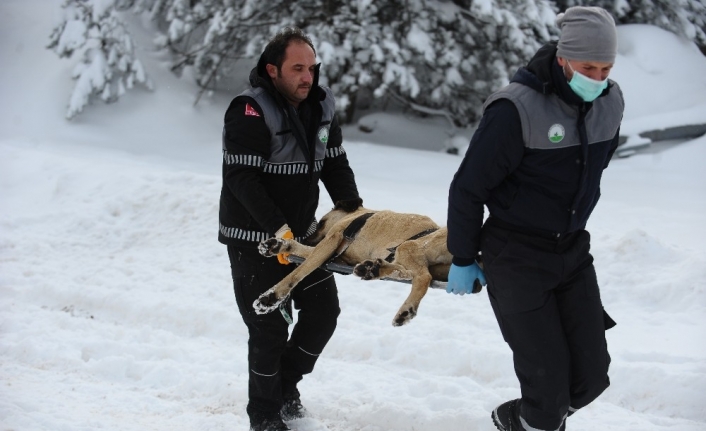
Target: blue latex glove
<point>461,278</point>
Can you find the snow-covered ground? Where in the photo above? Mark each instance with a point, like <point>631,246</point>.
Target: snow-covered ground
<point>116,303</point>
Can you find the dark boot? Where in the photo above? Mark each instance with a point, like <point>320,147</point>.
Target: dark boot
<point>506,416</point>
<point>292,407</point>
<point>261,422</point>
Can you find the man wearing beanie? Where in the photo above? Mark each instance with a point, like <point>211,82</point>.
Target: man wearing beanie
<point>536,162</point>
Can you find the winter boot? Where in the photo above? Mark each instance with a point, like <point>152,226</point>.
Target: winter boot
<point>292,407</point>
<point>267,423</point>
<point>506,416</point>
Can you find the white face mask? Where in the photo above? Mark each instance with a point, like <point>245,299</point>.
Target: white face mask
<point>586,88</point>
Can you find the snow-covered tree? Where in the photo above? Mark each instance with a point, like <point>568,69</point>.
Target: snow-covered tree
<point>435,57</point>
<point>686,18</point>
<point>108,66</point>
<point>213,34</point>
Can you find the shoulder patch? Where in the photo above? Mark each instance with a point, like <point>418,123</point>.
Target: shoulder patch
<point>250,111</point>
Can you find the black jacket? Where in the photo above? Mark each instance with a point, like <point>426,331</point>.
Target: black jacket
<point>260,194</point>
<point>537,187</point>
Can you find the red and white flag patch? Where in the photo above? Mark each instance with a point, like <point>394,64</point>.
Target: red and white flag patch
<point>249,110</point>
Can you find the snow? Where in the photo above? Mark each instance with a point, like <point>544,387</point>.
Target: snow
<point>116,303</point>
<point>88,75</point>
<point>421,41</point>
<point>668,72</point>
<point>73,37</point>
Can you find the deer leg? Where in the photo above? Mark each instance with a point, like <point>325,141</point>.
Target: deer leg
<point>409,308</point>
<point>274,246</point>
<point>274,296</point>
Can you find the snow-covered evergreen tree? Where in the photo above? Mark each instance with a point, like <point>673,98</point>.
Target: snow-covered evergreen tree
<point>210,35</point>
<point>436,57</point>
<point>108,66</point>
<point>686,18</point>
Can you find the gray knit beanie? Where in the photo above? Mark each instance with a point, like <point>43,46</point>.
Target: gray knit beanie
<point>587,34</point>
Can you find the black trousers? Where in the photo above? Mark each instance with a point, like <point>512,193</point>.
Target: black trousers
<point>277,361</point>
<point>545,296</point>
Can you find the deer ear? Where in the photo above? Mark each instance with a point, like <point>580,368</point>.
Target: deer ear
<point>349,205</point>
